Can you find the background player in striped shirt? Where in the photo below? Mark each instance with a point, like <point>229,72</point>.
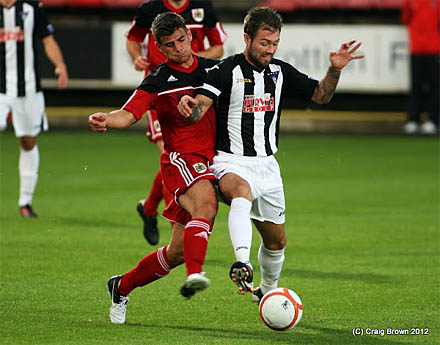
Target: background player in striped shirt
<point>21,23</point>
<point>201,20</point>
<point>184,163</point>
<point>247,89</point>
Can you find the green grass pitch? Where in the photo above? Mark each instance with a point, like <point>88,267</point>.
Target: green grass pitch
<point>363,246</point>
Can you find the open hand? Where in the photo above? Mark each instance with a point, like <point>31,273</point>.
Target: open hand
<point>343,56</point>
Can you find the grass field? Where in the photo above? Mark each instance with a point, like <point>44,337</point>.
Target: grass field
<point>363,249</point>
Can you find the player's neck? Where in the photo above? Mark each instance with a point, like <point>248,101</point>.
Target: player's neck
<point>177,3</point>
<point>188,63</point>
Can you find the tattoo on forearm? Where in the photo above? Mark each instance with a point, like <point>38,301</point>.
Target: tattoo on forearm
<point>327,86</point>
<point>195,116</point>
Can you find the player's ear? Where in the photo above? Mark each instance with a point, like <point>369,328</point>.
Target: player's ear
<point>247,39</point>
<point>190,35</point>
<point>158,46</point>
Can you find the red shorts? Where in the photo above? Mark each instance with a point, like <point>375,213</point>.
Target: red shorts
<point>180,172</point>
<point>154,132</point>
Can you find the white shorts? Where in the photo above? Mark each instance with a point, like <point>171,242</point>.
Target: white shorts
<point>264,177</point>
<point>28,114</point>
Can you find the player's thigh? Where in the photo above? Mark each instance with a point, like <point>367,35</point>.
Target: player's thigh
<point>200,197</point>
<point>28,115</point>
<point>273,235</point>
<point>233,186</point>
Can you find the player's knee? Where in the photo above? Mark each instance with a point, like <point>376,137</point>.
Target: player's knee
<point>276,244</point>
<point>175,256</point>
<point>210,210</point>
<point>242,190</point>
<point>27,143</point>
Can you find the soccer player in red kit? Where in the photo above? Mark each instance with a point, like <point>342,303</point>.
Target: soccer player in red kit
<point>188,151</point>
<point>201,20</point>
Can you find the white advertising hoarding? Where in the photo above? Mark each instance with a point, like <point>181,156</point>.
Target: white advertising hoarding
<point>307,47</point>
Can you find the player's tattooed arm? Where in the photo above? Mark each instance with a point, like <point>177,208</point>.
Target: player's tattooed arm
<point>195,115</point>
<point>327,86</point>
<point>338,60</point>
<point>194,108</point>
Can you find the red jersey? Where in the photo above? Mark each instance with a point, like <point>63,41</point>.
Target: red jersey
<point>162,90</point>
<point>423,20</point>
<point>199,17</point>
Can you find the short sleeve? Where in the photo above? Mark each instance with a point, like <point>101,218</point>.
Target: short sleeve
<point>42,25</point>
<point>297,84</point>
<point>214,82</point>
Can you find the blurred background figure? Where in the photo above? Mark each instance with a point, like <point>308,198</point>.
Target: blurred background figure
<point>203,23</point>
<point>423,20</point>
<point>21,23</point>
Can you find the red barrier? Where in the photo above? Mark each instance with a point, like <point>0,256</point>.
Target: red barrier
<point>292,5</point>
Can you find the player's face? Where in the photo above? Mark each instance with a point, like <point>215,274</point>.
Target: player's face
<point>177,47</point>
<point>7,3</point>
<point>262,48</point>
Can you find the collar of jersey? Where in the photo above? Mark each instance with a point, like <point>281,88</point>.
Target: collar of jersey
<point>184,69</point>
<point>176,10</point>
<point>252,66</point>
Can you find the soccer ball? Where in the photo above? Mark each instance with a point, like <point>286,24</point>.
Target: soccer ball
<point>281,309</point>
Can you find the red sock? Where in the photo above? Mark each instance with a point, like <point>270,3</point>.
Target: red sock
<point>155,196</point>
<point>195,243</point>
<point>152,267</point>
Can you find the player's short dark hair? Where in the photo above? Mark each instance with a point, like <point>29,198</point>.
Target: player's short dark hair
<point>262,18</point>
<point>165,24</point>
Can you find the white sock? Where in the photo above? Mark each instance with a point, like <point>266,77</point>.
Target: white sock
<point>28,171</point>
<point>271,263</point>
<point>240,228</point>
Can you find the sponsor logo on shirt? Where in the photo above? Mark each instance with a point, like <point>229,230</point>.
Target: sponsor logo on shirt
<point>254,104</point>
<point>273,76</point>
<point>200,168</point>
<point>23,15</point>
<point>243,80</point>
<point>172,78</point>
<point>198,14</point>
<point>16,34</point>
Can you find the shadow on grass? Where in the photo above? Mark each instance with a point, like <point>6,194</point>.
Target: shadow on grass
<point>84,222</point>
<point>325,336</point>
<point>370,278</point>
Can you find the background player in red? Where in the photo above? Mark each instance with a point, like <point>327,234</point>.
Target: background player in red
<point>184,163</point>
<point>201,20</point>
<point>423,20</point>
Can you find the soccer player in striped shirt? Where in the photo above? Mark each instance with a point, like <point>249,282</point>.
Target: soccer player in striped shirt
<point>21,23</point>
<point>247,89</point>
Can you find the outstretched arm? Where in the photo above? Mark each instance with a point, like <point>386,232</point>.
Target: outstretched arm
<point>194,108</point>
<point>338,60</point>
<point>213,52</point>
<point>121,118</point>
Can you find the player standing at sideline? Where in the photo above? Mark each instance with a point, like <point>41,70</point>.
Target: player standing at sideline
<point>248,89</point>
<point>184,163</point>
<point>201,20</point>
<point>22,22</point>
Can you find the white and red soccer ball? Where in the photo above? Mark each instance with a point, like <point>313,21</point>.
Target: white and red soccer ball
<point>281,309</point>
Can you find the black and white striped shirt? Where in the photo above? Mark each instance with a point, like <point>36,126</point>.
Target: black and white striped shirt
<point>21,26</point>
<point>249,103</point>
